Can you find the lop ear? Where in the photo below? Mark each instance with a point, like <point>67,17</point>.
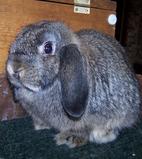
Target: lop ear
<point>73,79</point>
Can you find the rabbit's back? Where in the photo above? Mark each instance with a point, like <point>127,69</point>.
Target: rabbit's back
<point>115,91</point>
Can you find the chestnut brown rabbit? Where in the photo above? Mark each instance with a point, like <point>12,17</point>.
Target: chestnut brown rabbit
<point>78,83</point>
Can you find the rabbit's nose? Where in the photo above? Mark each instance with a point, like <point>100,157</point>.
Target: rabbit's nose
<point>15,73</point>
<point>19,73</point>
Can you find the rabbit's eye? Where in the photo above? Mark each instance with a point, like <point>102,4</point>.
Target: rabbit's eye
<point>48,47</point>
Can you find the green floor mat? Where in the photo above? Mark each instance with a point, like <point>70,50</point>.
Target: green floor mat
<point>18,140</point>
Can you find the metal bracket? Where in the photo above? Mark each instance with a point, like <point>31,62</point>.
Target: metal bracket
<point>83,10</point>
<point>82,2</point>
<point>82,6</point>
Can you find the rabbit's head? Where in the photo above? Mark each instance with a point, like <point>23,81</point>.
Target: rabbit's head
<point>43,52</point>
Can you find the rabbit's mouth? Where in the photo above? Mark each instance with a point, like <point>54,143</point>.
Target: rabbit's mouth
<point>41,86</point>
<point>32,88</point>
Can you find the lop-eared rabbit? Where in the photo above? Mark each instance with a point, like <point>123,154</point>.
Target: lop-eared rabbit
<point>79,83</point>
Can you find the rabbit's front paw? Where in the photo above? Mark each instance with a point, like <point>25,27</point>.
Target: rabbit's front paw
<point>103,136</point>
<point>69,139</point>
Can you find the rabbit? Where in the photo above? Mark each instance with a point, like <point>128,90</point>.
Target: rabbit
<point>79,83</point>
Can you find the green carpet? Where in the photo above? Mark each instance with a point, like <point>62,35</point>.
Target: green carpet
<point>18,140</point>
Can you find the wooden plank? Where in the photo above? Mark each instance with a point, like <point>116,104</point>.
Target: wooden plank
<point>15,14</point>
<point>101,4</point>
<point>8,108</point>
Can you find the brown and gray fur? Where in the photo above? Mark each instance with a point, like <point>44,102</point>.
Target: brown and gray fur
<point>86,89</point>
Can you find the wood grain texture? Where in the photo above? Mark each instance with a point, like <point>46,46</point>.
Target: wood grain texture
<point>8,108</point>
<point>14,14</point>
<point>101,4</point>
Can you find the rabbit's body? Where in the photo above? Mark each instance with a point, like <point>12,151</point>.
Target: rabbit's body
<point>90,93</point>
<point>113,82</point>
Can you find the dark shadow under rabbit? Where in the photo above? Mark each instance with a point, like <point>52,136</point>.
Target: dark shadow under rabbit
<point>78,83</point>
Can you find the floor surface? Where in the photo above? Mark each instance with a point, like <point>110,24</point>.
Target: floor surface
<point>18,140</point>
